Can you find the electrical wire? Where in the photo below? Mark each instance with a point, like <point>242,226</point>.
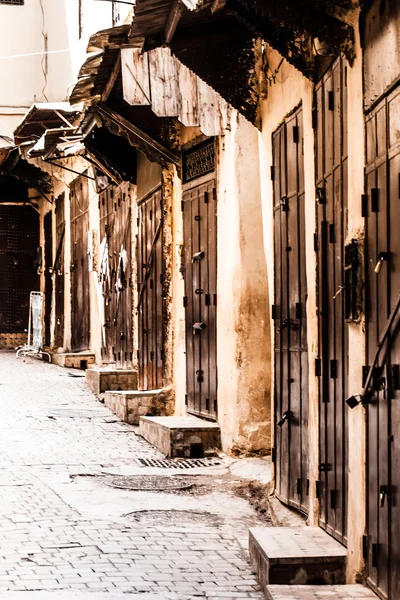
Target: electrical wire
<point>35,53</point>
<point>44,61</point>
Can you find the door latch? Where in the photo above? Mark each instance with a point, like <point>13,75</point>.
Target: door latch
<point>381,257</point>
<point>288,323</point>
<point>197,327</point>
<point>200,377</point>
<point>198,256</point>
<point>285,417</point>
<point>383,492</point>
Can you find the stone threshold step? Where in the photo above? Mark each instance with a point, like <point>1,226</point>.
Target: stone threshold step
<point>73,360</point>
<point>102,379</point>
<point>184,437</point>
<point>296,556</point>
<point>319,592</point>
<point>130,405</point>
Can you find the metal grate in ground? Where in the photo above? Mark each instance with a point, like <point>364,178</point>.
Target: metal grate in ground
<point>182,464</point>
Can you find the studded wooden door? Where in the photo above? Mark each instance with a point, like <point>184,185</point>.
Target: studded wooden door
<point>115,273</point>
<point>289,313</point>
<point>150,291</point>
<point>200,272</point>
<point>58,272</point>
<point>48,278</point>
<point>19,242</point>
<point>332,364</point>
<point>80,293</point>
<point>382,210</point>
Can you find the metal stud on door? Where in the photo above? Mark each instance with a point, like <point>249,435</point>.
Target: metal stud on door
<point>289,314</point>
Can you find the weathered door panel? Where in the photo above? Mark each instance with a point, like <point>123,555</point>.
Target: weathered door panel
<point>59,272</point>
<point>115,274</point>
<point>382,292</point>
<point>48,278</point>
<point>200,268</point>
<point>19,242</point>
<point>80,293</point>
<point>331,171</point>
<point>150,290</point>
<point>291,356</point>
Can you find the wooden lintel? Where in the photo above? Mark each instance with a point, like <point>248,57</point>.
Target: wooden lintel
<point>173,20</point>
<point>112,79</point>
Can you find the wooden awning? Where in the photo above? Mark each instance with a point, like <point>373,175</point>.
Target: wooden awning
<point>44,116</point>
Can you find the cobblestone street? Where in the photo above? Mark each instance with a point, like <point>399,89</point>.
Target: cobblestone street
<point>62,530</point>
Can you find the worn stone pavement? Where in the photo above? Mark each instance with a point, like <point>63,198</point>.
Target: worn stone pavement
<point>62,531</point>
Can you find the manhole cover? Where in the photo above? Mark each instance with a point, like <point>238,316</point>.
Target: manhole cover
<point>176,518</point>
<point>183,464</point>
<point>153,483</point>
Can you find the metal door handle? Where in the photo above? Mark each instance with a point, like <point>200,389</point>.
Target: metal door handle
<point>285,417</point>
<point>288,323</point>
<point>382,256</point>
<point>197,327</point>
<point>198,256</point>
<point>382,494</point>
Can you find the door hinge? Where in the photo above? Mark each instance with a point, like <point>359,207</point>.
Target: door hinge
<point>186,399</point>
<point>364,206</point>
<point>182,205</point>
<point>185,300</point>
<point>299,310</point>
<point>318,367</point>
<point>272,173</point>
<point>314,117</point>
<point>334,498</point>
<point>374,199</point>
<point>374,558</point>
<point>333,368</point>
<point>273,312</point>
<point>299,486</point>
<point>307,487</point>
<point>205,197</point>
<point>318,489</point>
<point>365,547</point>
<point>296,134</point>
<point>331,103</point>
<point>331,233</point>
<point>273,454</point>
<point>215,299</point>
<point>315,242</point>
<point>208,300</point>
<point>214,193</point>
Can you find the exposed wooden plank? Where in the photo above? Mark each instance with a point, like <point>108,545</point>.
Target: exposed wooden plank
<point>111,80</point>
<point>210,110</point>
<point>164,82</point>
<point>173,20</point>
<point>189,97</point>
<point>135,77</point>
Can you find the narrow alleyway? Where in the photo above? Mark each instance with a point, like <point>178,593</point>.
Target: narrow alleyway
<point>64,526</point>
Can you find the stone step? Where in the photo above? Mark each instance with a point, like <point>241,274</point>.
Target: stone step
<point>319,592</point>
<point>73,360</point>
<point>296,556</point>
<point>130,405</point>
<point>103,379</point>
<point>185,437</point>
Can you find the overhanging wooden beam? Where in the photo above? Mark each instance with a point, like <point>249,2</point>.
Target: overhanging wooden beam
<point>173,20</point>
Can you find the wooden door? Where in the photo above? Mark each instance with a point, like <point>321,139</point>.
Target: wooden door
<point>58,272</point>
<point>382,209</point>
<point>200,272</point>
<point>19,249</point>
<point>332,364</point>
<point>80,294</point>
<point>48,278</point>
<point>289,312</point>
<point>150,291</point>
<point>115,273</point>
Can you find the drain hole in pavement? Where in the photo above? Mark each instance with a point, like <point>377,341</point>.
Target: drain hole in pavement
<point>170,463</point>
<point>153,483</point>
<point>177,518</point>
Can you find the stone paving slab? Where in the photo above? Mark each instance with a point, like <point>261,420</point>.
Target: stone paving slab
<point>54,539</point>
<point>321,592</point>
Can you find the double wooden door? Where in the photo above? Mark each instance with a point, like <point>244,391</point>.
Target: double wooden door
<point>382,211</point>
<point>58,272</point>
<point>116,274</point>
<point>80,293</point>
<point>200,272</point>
<point>150,307</point>
<point>289,313</point>
<point>48,278</point>
<point>332,364</point>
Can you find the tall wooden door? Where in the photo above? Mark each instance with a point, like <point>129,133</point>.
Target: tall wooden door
<point>289,312</point>
<point>200,272</point>
<point>80,294</point>
<point>115,273</point>
<point>383,400</point>
<point>19,246</point>
<point>58,272</point>
<point>150,291</point>
<point>48,278</point>
<point>332,364</point>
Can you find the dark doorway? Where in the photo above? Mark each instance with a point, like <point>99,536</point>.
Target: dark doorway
<point>80,294</point>
<point>115,273</point>
<point>19,262</point>
<point>289,313</point>
<point>331,182</point>
<point>150,291</point>
<point>382,294</point>
<point>59,272</point>
<point>48,277</point>
<point>200,272</point>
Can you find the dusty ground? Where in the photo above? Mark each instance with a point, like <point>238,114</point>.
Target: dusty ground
<point>75,517</point>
